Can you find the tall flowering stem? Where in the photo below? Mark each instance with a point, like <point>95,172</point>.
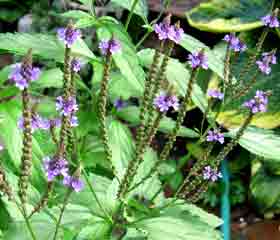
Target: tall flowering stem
<point>26,159</point>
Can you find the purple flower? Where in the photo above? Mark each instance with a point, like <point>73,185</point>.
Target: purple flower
<point>55,167</point>
<point>211,174</point>
<point>68,35</point>
<point>268,58</point>
<point>37,122</point>
<point>234,43</point>
<point>120,104</point>
<point>75,183</point>
<point>175,34</point>
<point>66,107</point>
<point>270,21</point>
<point>215,136</point>
<point>162,30</point>
<point>112,46</point>
<point>21,75</point>
<point>56,122</point>
<point>198,59</point>
<point>258,103</point>
<point>74,121</point>
<point>164,102</point>
<point>76,65</point>
<point>1,147</point>
<point>215,94</point>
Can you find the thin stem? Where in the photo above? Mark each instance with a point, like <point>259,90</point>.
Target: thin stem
<point>61,213</point>
<point>130,14</point>
<point>96,198</point>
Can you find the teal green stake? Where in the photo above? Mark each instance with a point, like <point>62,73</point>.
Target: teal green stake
<point>225,205</point>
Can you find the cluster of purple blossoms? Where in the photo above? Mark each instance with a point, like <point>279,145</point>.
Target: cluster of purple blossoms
<point>68,35</point>
<point>215,94</point>
<point>198,59</point>
<point>66,107</point>
<point>215,136</point>
<point>166,31</point>
<point>268,58</point>
<point>234,43</point>
<point>59,167</point>
<point>120,104</point>
<point>73,182</point>
<point>37,122</point>
<point>211,174</point>
<point>258,103</point>
<point>164,102</point>
<point>76,65</point>
<point>109,46</point>
<point>21,75</point>
<point>270,21</point>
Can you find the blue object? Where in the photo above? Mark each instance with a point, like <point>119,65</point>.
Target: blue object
<point>225,203</point>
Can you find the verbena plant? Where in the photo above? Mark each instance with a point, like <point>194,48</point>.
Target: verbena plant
<point>128,202</point>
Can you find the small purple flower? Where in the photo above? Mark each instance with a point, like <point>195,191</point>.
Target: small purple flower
<point>175,34</point>
<point>37,122</point>
<point>21,75</point>
<point>55,167</point>
<point>68,35</point>
<point>234,43</point>
<point>56,122</point>
<point>120,104</point>
<point>198,59</point>
<point>258,103</point>
<point>74,121</point>
<point>211,174</point>
<point>215,94</point>
<point>112,45</point>
<point>75,183</point>
<point>1,147</point>
<point>66,107</point>
<point>268,58</point>
<point>270,21</point>
<point>164,102</point>
<point>76,65</point>
<point>215,136</point>
<point>162,30</point>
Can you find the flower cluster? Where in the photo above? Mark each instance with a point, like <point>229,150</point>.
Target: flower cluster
<point>164,102</point>
<point>165,30</point>
<point>66,107</point>
<point>211,174</point>
<point>215,136</point>
<point>37,122</point>
<point>270,21</point>
<point>59,167</point>
<point>76,65</point>
<point>234,43</point>
<point>111,46</point>
<point>198,59</point>
<point>215,94</point>
<point>258,103</point>
<point>22,75</point>
<point>68,35</point>
<point>268,58</point>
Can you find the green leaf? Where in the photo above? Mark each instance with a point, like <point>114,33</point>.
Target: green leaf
<point>228,16</point>
<point>261,142</point>
<point>76,14</point>
<point>131,114</point>
<point>166,228</point>
<point>44,46</point>
<point>178,76</point>
<point>10,14</point>
<point>265,191</point>
<point>49,78</point>
<point>141,8</point>
<point>127,60</point>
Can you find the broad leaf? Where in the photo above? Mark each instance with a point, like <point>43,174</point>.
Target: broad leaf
<point>228,16</point>
<point>44,46</point>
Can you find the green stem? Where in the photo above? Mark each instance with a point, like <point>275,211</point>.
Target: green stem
<point>96,198</point>
<point>130,14</point>
<point>61,213</point>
